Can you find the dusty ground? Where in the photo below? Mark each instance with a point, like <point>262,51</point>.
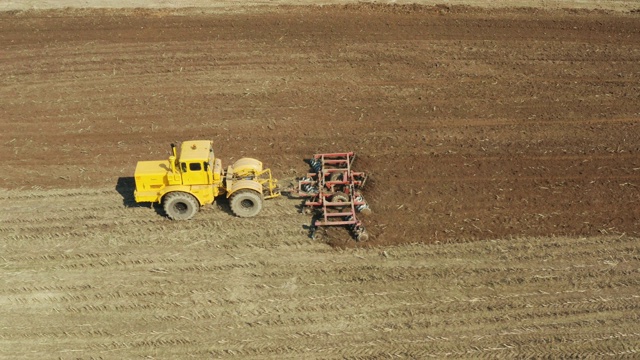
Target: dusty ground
<point>518,129</point>
<point>85,277</point>
<point>234,5</point>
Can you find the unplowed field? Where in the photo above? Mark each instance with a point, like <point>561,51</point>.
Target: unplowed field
<point>503,149</point>
<point>85,276</point>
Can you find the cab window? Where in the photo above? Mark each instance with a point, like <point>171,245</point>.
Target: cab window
<point>195,166</point>
<point>183,167</point>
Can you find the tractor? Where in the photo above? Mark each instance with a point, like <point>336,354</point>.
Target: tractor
<point>196,178</point>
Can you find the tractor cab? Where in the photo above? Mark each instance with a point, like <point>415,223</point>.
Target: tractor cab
<point>196,163</point>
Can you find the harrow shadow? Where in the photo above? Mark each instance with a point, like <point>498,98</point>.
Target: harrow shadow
<point>291,192</point>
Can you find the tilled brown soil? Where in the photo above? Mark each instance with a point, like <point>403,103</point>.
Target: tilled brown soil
<point>474,124</point>
<point>515,128</point>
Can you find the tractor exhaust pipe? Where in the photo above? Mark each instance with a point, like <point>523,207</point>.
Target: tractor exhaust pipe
<point>173,157</point>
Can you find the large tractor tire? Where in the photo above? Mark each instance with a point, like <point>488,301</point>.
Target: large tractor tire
<point>246,203</point>
<point>180,206</point>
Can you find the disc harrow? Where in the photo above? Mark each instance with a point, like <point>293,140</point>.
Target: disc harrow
<point>333,193</point>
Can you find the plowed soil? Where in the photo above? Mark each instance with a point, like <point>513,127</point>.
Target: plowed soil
<point>473,124</point>
<point>503,148</point>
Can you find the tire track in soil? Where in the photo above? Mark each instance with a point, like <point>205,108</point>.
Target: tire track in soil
<point>147,285</point>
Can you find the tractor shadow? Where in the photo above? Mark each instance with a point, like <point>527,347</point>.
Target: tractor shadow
<point>125,187</point>
<point>221,203</point>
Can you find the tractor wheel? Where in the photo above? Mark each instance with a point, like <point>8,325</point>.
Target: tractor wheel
<point>246,203</point>
<point>180,206</point>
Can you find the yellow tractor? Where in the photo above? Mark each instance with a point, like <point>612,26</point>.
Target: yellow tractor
<point>195,178</point>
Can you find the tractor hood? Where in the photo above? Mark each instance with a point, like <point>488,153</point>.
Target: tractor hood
<point>150,174</point>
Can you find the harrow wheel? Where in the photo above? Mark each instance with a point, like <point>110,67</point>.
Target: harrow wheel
<point>319,234</point>
<point>246,203</point>
<point>336,176</point>
<point>339,197</point>
<point>180,205</point>
<point>366,211</point>
<point>362,235</point>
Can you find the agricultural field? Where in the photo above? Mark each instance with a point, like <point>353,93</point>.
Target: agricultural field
<point>503,147</point>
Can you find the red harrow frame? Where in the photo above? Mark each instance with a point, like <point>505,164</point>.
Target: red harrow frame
<point>333,193</point>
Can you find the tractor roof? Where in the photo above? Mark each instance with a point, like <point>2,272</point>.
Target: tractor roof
<point>196,150</point>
